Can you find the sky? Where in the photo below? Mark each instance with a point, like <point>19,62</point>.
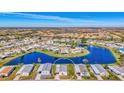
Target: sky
<point>61,19</point>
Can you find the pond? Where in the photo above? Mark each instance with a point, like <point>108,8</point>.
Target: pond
<point>97,55</point>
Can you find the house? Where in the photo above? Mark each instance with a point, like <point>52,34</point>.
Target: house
<point>77,69</point>
<point>46,70</point>
<point>76,50</point>
<point>117,70</point>
<point>57,69</point>
<point>99,70</point>
<point>64,50</point>
<point>83,70</point>
<point>63,70</point>
<point>6,70</point>
<point>25,70</point>
<point>38,76</point>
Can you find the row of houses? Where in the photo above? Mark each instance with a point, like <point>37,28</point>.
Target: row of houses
<point>45,70</point>
<point>118,45</point>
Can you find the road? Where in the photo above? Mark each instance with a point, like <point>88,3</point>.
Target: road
<point>57,77</point>
<point>78,77</point>
<point>38,77</point>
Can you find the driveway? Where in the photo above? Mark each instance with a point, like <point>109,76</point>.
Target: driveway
<point>57,77</point>
<point>17,77</point>
<point>120,77</point>
<point>98,77</point>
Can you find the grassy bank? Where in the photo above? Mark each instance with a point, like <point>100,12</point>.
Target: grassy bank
<point>6,60</point>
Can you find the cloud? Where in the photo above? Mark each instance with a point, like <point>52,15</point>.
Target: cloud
<point>57,18</point>
<point>36,16</point>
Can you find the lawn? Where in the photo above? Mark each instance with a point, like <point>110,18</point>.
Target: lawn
<point>71,71</point>
<point>111,76</point>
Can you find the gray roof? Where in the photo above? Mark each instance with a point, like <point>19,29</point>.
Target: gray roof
<point>63,68</point>
<point>98,69</point>
<point>26,69</point>
<point>47,67</point>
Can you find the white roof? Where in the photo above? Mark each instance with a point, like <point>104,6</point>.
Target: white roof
<point>26,69</point>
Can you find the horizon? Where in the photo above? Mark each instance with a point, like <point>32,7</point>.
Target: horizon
<point>62,19</point>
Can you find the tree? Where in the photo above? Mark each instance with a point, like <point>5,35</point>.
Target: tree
<point>39,60</point>
<point>83,40</point>
<point>85,61</point>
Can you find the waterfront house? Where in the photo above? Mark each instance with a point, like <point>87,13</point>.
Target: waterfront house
<point>117,70</point>
<point>57,68</point>
<point>6,70</point>
<point>46,70</point>
<point>25,70</point>
<point>99,70</point>
<point>63,70</point>
<point>83,70</point>
<point>77,69</point>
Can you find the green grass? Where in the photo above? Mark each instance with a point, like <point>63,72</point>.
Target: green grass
<point>92,76</point>
<point>111,76</point>
<point>54,69</point>
<point>71,72</point>
<point>86,78</point>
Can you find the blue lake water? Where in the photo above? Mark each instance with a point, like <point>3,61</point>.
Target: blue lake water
<point>97,55</point>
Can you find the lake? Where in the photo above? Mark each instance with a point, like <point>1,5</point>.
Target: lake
<point>97,55</point>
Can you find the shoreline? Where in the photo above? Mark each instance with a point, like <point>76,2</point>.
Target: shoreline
<point>6,60</point>
<point>86,52</point>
